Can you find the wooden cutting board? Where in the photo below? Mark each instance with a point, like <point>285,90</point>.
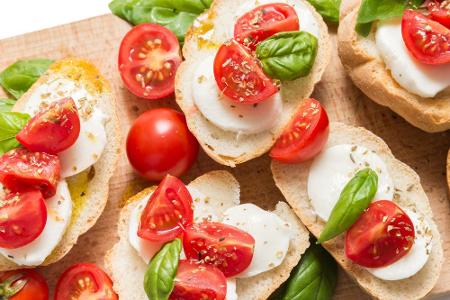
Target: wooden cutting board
<point>98,39</point>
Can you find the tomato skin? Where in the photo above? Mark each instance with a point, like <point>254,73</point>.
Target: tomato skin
<point>440,11</point>
<point>167,213</point>
<point>149,57</point>
<point>239,75</point>
<point>263,22</point>
<point>195,281</point>
<point>160,143</point>
<point>96,284</point>
<point>226,247</point>
<point>26,218</point>
<point>428,41</point>
<point>36,287</point>
<point>382,235</point>
<point>305,137</point>
<point>53,129</point>
<point>21,169</point>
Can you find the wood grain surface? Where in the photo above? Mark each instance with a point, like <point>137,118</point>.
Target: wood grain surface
<point>98,39</point>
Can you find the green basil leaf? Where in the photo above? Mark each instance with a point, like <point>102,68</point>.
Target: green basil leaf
<point>10,124</point>
<point>375,10</point>
<point>288,55</point>
<point>20,76</point>
<point>6,104</point>
<point>314,278</point>
<point>329,9</point>
<point>354,199</point>
<point>161,271</point>
<point>176,15</point>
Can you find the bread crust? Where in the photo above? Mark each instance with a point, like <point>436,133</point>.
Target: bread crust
<point>96,194</point>
<point>225,147</point>
<point>369,73</point>
<point>292,182</point>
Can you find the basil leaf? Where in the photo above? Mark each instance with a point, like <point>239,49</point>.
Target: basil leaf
<point>176,15</point>
<point>354,199</point>
<point>374,10</point>
<point>161,271</point>
<point>314,278</point>
<point>10,124</point>
<point>6,104</point>
<point>329,9</point>
<point>20,76</point>
<point>288,55</point>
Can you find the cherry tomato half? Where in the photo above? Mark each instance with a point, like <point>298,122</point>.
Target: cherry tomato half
<point>263,22</point>
<point>159,143</point>
<point>239,76</point>
<point>196,281</point>
<point>167,213</point>
<point>24,284</point>
<point>427,40</point>
<point>305,137</point>
<point>84,281</point>
<point>53,129</point>
<point>149,57</point>
<point>382,235</point>
<point>226,247</point>
<point>21,169</point>
<point>440,11</point>
<point>24,216</point>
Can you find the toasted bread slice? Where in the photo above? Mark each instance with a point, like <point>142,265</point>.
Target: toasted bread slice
<point>223,190</point>
<point>292,182</point>
<point>368,71</point>
<point>89,189</point>
<point>209,32</point>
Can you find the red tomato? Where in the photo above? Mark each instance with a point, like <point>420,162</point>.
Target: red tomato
<point>167,213</point>
<point>265,21</point>
<point>427,40</point>
<point>440,11</point>
<point>84,281</point>
<point>24,284</point>
<point>382,235</point>
<point>196,281</point>
<point>305,137</point>
<point>226,247</point>
<point>21,169</point>
<point>239,76</point>
<point>159,143</point>
<point>24,216</point>
<point>149,57</point>
<point>53,129</point>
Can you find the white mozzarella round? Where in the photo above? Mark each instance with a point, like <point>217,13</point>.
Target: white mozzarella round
<point>228,115</point>
<point>202,209</point>
<point>272,236</point>
<point>414,76</point>
<point>333,169</point>
<point>415,259</point>
<point>231,289</point>
<point>59,212</point>
<point>92,140</point>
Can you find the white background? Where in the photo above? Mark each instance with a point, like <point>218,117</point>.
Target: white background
<point>21,16</point>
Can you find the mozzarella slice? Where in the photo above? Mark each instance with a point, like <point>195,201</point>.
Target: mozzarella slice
<point>59,212</point>
<point>414,76</point>
<point>231,289</point>
<point>333,169</point>
<point>415,259</point>
<point>92,140</point>
<point>272,236</point>
<point>228,115</point>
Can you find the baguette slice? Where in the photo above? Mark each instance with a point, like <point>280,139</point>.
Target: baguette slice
<point>88,208</point>
<point>292,182</point>
<point>368,71</point>
<point>209,32</point>
<point>223,190</point>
